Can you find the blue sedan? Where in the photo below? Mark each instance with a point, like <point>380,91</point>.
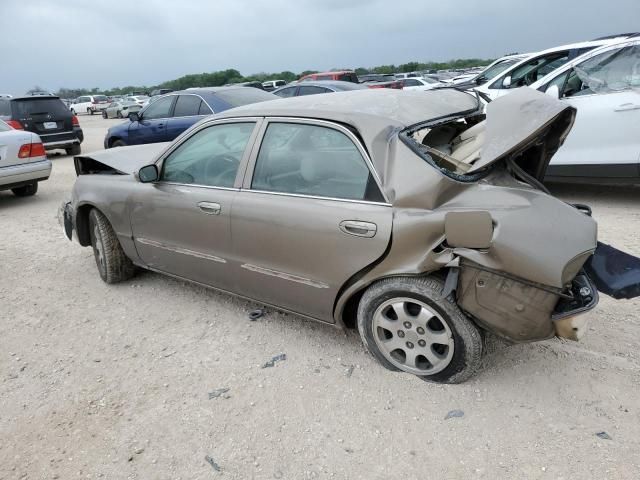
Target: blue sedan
<point>170,115</point>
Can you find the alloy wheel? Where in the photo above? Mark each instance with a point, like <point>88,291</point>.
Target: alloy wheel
<point>413,336</point>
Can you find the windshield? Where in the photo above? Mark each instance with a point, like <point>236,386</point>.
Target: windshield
<point>35,106</point>
<point>496,69</point>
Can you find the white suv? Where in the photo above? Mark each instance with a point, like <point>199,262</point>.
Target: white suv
<point>532,69</point>
<point>604,87</point>
<point>89,104</point>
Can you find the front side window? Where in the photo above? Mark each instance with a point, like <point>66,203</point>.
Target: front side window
<point>311,90</point>
<point>159,109</point>
<point>533,70</point>
<point>210,157</point>
<point>312,160</point>
<point>286,92</point>
<point>187,106</point>
<point>611,71</point>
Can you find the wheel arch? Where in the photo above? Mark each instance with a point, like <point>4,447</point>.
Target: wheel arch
<point>346,309</point>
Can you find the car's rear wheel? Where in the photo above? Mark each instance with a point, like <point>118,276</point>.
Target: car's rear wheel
<point>119,114</point>
<point>73,150</point>
<point>118,143</point>
<point>73,112</point>
<point>104,114</point>
<point>25,190</point>
<point>406,325</point>
<point>113,265</point>
<point>89,111</point>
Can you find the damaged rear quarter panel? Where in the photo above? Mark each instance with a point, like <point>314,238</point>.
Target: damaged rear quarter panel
<point>535,235</point>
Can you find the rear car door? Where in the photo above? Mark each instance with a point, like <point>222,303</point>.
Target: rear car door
<point>604,140</point>
<point>181,224</point>
<point>310,216</point>
<point>152,126</point>
<point>186,112</point>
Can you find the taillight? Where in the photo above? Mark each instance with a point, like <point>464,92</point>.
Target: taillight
<point>15,124</point>
<point>74,121</point>
<point>29,150</point>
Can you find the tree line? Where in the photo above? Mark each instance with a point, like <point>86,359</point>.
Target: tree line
<point>224,77</point>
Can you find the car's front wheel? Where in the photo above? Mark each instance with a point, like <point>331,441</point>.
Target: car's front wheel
<point>113,265</point>
<point>406,325</point>
<point>26,190</point>
<point>104,114</point>
<point>89,111</point>
<point>119,114</point>
<point>118,143</point>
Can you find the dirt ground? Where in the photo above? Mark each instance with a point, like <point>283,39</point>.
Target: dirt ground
<point>114,382</point>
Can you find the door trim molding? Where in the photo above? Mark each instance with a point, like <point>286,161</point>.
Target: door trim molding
<point>176,249</point>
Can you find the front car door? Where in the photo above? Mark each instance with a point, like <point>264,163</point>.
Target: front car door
<point>309,217</point>
<point>181,223</point>
<point>152,127</point>
<point>604,140</point>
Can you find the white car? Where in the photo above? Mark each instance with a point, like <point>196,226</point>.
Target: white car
<point>604,143</point>
<point>89,104</point>
<point>528,71</point>
<point>419,83</point>
<point>23,161</point>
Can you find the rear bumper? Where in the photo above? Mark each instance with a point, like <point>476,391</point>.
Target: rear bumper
<point>63,140</point>
<point>17,175</point>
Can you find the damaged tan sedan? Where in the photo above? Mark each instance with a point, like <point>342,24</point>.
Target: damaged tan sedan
<point>405,215</point>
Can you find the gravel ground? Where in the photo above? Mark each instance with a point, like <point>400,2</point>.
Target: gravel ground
<point>114,382</point>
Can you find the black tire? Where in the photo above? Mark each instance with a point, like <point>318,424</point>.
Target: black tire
<point>25,190</point>
<point>90,111</point>
<point>464,334</point>
<point>113,265</point>
<point>104,114</point>
<point>74,150</point>
<point>73,112</point>
<point>118,143</point>
<point>119,114</point>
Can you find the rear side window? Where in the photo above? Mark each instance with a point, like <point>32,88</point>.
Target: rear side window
<point>204,109</point>
<point>187,106</point>
<point>312,160</point>
<point>33,106</point>
<point>286,92</point>
<point>311,90</point>
<point>100,98</point>
<point>5,107</point>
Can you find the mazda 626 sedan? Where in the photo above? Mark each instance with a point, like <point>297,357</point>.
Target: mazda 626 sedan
<point>405,215</point>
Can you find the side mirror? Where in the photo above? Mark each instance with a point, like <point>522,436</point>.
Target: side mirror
<point>506,83</point>
<point>553,91</point>
<point>480,80</point>
<point>148,173</point>
<point>134,117</point>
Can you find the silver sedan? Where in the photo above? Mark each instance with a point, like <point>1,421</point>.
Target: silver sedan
<point>120,109</point>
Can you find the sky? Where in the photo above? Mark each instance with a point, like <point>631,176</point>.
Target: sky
<point>110,43</point>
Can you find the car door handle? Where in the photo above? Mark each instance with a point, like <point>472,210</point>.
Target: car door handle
<point>625,107</point>
<point>359,229</point>
<point>210,208</point>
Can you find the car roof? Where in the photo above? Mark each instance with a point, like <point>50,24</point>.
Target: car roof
<point>373,112</point>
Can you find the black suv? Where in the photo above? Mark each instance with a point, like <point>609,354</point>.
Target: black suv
<point>46,116</point>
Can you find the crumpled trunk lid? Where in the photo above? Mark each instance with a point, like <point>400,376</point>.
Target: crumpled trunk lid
<point>527,126</point>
